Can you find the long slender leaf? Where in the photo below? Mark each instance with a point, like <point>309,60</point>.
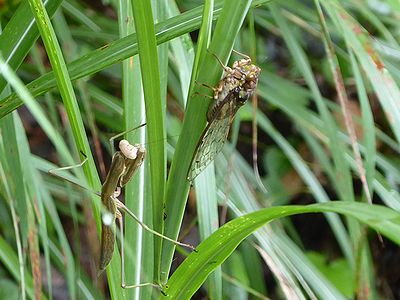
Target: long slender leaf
<point>228,25</point>
<point>217,248</point>
<point>67,93</point>
<point>144,24</point>
<point>20,34</point>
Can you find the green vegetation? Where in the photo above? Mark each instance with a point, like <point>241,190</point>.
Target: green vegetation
<point>328,120</point>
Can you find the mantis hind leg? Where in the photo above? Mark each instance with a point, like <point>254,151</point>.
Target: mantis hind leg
<point>118,216</point>
<point>69,178</point>
<point>122,206</point>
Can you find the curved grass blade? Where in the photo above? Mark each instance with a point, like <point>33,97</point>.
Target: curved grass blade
<point>190,275</point>
<point>20,34</point>
<point>291,266</point>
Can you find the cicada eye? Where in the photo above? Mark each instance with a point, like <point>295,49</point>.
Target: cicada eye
<point>243,100</point>
<point>243,97</point>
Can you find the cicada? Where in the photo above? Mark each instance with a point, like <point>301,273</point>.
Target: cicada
<point>232,91</point>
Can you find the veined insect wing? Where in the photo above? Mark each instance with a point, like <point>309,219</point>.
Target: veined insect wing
<point>232,91</point>
<point>215,134</point>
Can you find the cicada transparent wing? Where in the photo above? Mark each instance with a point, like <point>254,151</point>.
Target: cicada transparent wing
<point>214,135</point>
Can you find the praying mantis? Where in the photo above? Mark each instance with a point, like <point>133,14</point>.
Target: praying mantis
<point>125,162</point>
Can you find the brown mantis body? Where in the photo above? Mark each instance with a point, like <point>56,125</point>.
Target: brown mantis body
<point>124,165</point>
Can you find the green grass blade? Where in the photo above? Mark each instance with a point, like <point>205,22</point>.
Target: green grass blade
<point>204,38</point>
<point>343,98</point>
<point>217,248</point>
<point>160,14</point>
<point>381,80</point>
<point>67,94</point>
<point>144,24</point>
<point>229,23</point>
<point>65,86</point>
<point>139,244</point>
<point>10,261</point>
<point>14,194</point>
<point>367,123</point>
<point>343,182</point>
<point>207,212</point>
<point>307,176</point>
<point>286,257</point>
<point>114,53</point>
<point>182,51</point>
<point>205,187</point>
<point>20,34</point>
